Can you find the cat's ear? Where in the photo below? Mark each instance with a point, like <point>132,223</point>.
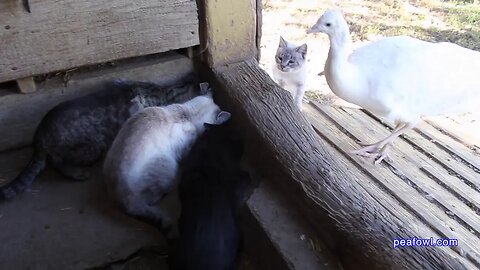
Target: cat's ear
<point>282,43</point>
<point>302,50</point>
<point>222,117</point>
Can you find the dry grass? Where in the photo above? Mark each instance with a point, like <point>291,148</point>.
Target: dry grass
<point>432,20</point>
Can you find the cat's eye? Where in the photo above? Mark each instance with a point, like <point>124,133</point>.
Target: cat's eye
<point>290,62</point>
<point>328,24</point>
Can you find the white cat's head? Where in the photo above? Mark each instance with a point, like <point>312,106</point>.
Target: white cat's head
<point>204,110</point>
<point>289,57</point>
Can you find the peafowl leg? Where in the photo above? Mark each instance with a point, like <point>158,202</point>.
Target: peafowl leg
<point>378,151</point>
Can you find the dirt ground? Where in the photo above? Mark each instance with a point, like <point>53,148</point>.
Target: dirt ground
<point>431,20</point>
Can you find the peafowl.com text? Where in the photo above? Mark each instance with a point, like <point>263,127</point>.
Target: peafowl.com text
<point>425,242</point>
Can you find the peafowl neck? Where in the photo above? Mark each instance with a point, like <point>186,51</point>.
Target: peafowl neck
<point>340,46</point>
<point>342,76</point>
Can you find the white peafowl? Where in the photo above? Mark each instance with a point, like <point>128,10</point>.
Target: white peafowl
<point>400,78</point>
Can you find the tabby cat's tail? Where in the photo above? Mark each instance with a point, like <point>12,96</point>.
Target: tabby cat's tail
<point>25,178</point>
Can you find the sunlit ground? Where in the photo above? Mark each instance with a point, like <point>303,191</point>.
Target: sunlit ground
<point>431,20</point>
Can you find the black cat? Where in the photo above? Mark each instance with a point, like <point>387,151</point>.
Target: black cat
<point>212,190</point>
<point>75,134</point>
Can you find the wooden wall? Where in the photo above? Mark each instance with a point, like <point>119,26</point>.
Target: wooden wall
<point>59,35</point>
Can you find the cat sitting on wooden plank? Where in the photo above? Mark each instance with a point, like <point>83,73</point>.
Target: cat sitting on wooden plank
<point>290,69</point>
<point>212,189</point>
<point>141,166</point>
<point>75,134</point>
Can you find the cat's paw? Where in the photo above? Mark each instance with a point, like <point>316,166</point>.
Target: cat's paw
<point>205,88</point>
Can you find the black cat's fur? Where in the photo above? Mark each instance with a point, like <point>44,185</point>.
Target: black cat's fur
<point>212,190</point>
<point>76,133</point>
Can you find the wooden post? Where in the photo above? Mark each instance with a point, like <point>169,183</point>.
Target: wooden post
<point>26,85</point>
<point>356,224</point>
<point>228,30</point>
<point>259,28</point>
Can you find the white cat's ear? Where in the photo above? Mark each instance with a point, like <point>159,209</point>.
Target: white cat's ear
<point>282,43</point>
<point>302,49</point>
<point>222,117</point>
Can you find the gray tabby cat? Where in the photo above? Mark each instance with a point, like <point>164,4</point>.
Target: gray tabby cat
<point>141,166</point>
<point>76,133</point>
<point>290,70</point>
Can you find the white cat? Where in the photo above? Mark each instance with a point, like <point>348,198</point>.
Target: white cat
<point>290,69</point>
<point>141,165</point>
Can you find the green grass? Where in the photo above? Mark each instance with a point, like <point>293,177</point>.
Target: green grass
<point>432,20</point>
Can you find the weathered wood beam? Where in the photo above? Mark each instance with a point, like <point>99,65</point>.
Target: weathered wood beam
<point>59,35</point>
<point>228,30</point>
<point>355,225</point>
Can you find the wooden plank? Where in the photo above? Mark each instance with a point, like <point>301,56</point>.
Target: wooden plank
<point>432,161</point>
<point>409,162</point>
<point>459,129</point>
<point>18,124</point>
<point>468,155</point>
<point>59,35</point>
<point>283,225</point>
<point>26,85</point>
<point>229,30</point>
<point>286,148</point>
<point>408,196</point>
<point>465,171</point>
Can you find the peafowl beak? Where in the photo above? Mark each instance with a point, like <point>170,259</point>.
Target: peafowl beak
<point>313,29</point>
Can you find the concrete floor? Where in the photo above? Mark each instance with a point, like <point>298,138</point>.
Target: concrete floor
<point>62,224</point>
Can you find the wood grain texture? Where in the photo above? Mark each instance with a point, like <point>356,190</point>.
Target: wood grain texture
<point>354,224</point>
<point>388,186</point>
<point>447,159</point>
<point>21,113</point>
<point>403,177</point>
<point>408,162</point>
<point>229,29</point>
<point>59,35</point>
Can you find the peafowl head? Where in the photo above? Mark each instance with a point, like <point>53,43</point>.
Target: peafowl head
<point>330,22</point>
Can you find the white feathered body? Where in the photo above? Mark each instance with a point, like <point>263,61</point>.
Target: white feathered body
<point>403,78</point>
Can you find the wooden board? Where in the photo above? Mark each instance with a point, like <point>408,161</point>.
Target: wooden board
<point>358,223</point>
<point>59,35</point>
<point>229,30</point>
<point>21,113</point>
<point>441,207</point>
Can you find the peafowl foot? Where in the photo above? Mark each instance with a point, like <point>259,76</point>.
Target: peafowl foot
<point>376,152</point>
